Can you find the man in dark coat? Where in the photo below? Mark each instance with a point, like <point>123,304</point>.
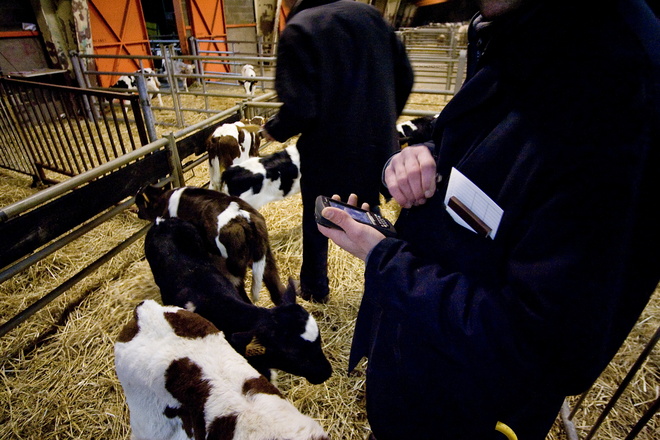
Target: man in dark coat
<point>343,78</point>
<point>558,123</point>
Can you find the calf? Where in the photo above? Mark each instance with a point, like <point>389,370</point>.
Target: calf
<point>260,180</point>
<point>285,337</point>
<point>181,68</point>
<point>130,83</point>
<point>234,232</point>
<point>248,71</point>
<point>182,380</point>
<point>231,144</point>
<point>416,131</point>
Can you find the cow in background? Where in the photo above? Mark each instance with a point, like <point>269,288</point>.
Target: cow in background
<point>261,180</point>
<point>180,68</point>
<point>248,71</point>
<point>230,144</point>
<point>130,83</point>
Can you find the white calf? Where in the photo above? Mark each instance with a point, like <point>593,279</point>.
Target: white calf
<point>181,68</point>
<point>182,380</point>
<point>248,71</point>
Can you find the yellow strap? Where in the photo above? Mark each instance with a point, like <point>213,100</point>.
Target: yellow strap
<point>420,3</point>
<point>508,432</point>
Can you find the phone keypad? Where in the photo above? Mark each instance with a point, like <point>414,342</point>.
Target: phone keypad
<point>378,220</point>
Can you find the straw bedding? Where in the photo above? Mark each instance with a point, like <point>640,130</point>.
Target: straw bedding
<point>58,381</point>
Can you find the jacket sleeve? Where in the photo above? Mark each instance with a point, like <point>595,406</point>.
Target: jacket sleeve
<point>403,74</point>
<point>296,83</point>
<point>569,291</point>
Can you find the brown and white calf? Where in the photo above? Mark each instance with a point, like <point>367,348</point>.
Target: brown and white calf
<point>182,380</point>
<point>130,83</point>
<point>233,231</point>
<point>285,337</point>
<point>261,180</point>
<point>231,143</point>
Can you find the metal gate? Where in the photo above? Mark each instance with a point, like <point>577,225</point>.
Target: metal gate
<point>65,130</point>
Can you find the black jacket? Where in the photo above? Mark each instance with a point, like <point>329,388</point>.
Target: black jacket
<point>343,78</point>
<point>559,125</point>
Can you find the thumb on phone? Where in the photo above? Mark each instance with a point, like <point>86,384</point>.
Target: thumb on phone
<point>355,237</point>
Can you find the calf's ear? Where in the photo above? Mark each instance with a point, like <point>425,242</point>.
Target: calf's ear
<point>247,344</point>
<point>145,200</point>
<point>292,290</point>
<point>254,348</point>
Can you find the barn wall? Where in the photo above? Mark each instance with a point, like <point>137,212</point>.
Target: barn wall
<point>20,49</point>
<point>19,54</point>
<point>241,24</point>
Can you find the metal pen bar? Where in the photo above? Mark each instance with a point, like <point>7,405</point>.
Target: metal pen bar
<point>626,380</point>
<point>21,317</point>
<point>45,195</point>
<point>60,243</point>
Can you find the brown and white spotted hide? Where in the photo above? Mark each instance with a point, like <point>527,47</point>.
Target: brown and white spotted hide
<point>182,380</point>
<point>231,144</point>
<point>232,230</point>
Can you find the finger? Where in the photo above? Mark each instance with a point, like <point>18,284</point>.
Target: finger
<point>428,175</point>
<point>400,186</point>
<point>352,199</point>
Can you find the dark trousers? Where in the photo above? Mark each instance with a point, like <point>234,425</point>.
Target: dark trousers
<point>314,270</point>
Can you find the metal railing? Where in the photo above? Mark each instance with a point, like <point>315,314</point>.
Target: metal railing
<point>40,201</point>
<point>567,414</point>
<point>68,130</point>
<point>438,55</point>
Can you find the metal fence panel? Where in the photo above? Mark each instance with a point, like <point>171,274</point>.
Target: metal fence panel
<point>66,130</point>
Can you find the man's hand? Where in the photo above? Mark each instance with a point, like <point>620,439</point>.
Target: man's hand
<point>411,176</point>
<point>355,237</point>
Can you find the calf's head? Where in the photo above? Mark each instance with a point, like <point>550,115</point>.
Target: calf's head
<point>288,339</point>
<point>151,202</point>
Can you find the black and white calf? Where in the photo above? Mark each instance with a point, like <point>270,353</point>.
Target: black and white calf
<point>233,231</point>
<point>231,144</point>
<point>285,337</point>
<point>130,83</point>
<point>416,131</point>
<point>182,380</point>
<point>260,180</point>
<point>248,71</point>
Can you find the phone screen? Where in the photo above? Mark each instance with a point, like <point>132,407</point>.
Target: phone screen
<point>358,215</point>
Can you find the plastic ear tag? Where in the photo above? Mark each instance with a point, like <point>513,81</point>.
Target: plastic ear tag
<point>254,348</point>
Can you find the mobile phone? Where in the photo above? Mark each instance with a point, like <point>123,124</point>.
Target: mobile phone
<point>368,218</point>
